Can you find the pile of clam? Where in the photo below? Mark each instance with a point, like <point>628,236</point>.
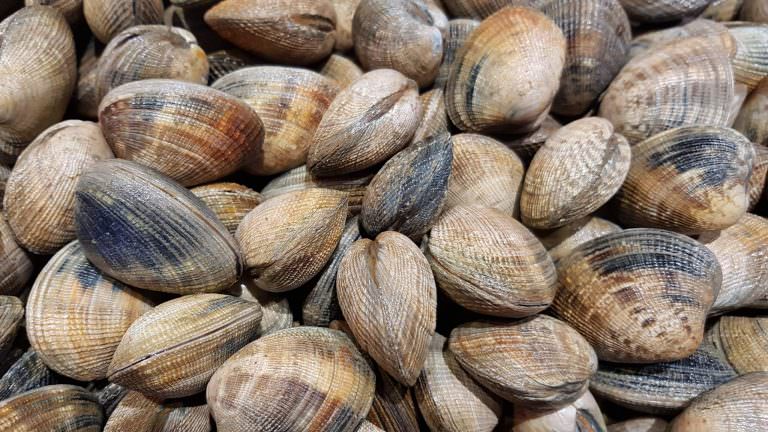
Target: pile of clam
<point>384,215</point>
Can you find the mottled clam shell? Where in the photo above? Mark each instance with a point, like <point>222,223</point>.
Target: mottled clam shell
<point>11,316</point>
<point>290,102</point>
<point>275,310</point>
<point>147,231</point>
<point>449,398</point>
<point>514,42</point>
<point>366,124</point>
<point>176,128</point>
<point>15,266</point>
<point>230,201</point>
<point>457,33</point>
<point>744,340</point>
<point>758,179</point>
<point>527,145</point>
<point>716,32</point>
<point>489,263</point>
<point>342,70</point>
<point>579,168</point>
<point>639,295</point>
<point>38,73</point>
<point>299,379</point>
<point>683,83</point>
<point>107,18</point>
<point>52,408</point>
<point>86,97</point>
<point>562,241</point>
<point>658,11</point>
<point>752,120</point>
<point>641,424</point>
<point>387,294</point>
<point>434,119</point>
<point>754,11</point>
<point>689,179</point>
<point>27,373</point>
<point>722,10</point>
<point>582,415</point>
<point>287,31</point>
<point>71,9</point>
<point>138,413</point>
<point>539,361</point>
<point>226,61</point>
<point>172,350</point>
<point>750,65</point>
<point>345,12</point>
<point>480,9</point>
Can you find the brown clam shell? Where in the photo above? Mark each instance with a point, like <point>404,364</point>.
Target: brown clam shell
<point>342,70</point>
<point>11,316</point>
<point>457,33</point>
<point>71,9</point>
<point>582,415</point>
<point>138,413</point>
<point>275,310</point>
<point>15,266</point>
<point>750,65</point>
<point>52,408</point>
<point>226,61</point>
<point>434,119</point>
<point>641,424</point>
<point>345,12</point>
<point>230,201</point>
<point>752,120</point>
<point>107,18</point>
<point>562,241</point>
<point>657,11</point>
<point>744,340</point>
<point>528,144</point>
<point>754,11</point>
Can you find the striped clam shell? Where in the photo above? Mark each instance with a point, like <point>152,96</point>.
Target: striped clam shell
<point>752,119</point>
<point>109,396</point>
<point>750,65</point>
<point>528,144</point>
<point>582,415</point>
<point>341,69</point>
<point>138,413</point>
<point>27,373</point>
<point>11,316</point>
<point>434,119</point>
<point>107,18</point>
<point>52,408</point>
<point>562,241</point>
<point>744,340</point>
<point>230,201</point>
<point>457,33</point>
<point>5,172</point>
<point>716,32</point>
<point>226,61</point>
<point>758,179</point>
<point>15,266</point>
<point>657,11</point>
<point>275,310</point>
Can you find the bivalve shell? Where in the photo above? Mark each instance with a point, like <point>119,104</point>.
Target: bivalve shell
<point>27,373</point>
<point>528,144</point>
<point>367,426</point>
<point>52,408</point>
<point>342,70</point>
<point>722,10</point>
<point>226,61</point>
<point>457,33</point>
<point>657,11</point>
<point>107,18</point>
<point>480,9</point>
<point>345,12</point>
<point>230,201</point>
<point>562,241</point>
<point>744,340</point>
<point>582,415</point>
<point>750,65</point>
<point>86,94</point>
<point>138,413</point>
<point>71,9</point>
<point>752,120</point>
<point>275,310</point>
<point>754,11</point>
<point>11,316</point>
<point>716,32</point>
<point>15,266</point>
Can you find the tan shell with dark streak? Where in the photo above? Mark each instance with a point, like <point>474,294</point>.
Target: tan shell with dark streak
<point>52,408</point>
<point>138,413</point>
<point>457,33</point>
<point>15,266</point>
<point>657,11</point>
<point>107,18</point>
<point>750,65</point>
<point>11,317</point>
<point>640,424</point>
<point>275,310</point>
<point>342,70</point>
<point>562,241</point>
<point>744,340</point>
<point>71,9</point>
<point>639,295</point>
<point>528,144</point>
<point>230,201</point>
<point>434,119</point>
<point>539,361</point>
<point>582,415</point>
<point>299,379</point>
<point>290,102</point>
<point>752,120</point>
<point>345,12</point>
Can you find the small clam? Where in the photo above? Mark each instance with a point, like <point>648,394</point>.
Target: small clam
<point>149,232</point>
<point>86,95</point>
<point>345,12</point>
<point>752,120</point>
<point>299,379</point>
<point>107,18</point>
<point>457,33</point>
<point>366,124</point>
<point>230,201</point>
<point>528,144</point>
<point>288,31</point>
<point>539,361</point>
<point>275,311</point>
<point>15,266</point>
<point>715,32</point>
<point>640,424</point>
<point>387,294</point>
<point>290,102</point>
<point>138,413</point>
<point>744,340</point>
<point>71,9</point>
<point>639,295</point>
<point>226,61</point>
<point>52,408</point>
<point>562,241</point>
<point>172,350</point>
<point>750,65</point>
<point>342,70</point>
<point>176,128</point>
<point>11,316</point>
<point>434,119</point>
<point>754,11</point>
<point>657,11</point>
<point>27,373</point>
<point>582,415</point>
<point>722,10</point>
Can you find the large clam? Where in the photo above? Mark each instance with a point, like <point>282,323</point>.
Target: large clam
<point>51,408</point>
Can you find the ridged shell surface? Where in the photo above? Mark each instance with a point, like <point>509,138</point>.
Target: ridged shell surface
<point>71,9</point>
<point>582,415</point>
<point>138,413</point>
<point>562,241</point>
<point>457,33</point>
<point>758,179</point>
<point>11,317</point>
<point>744,340</point>
<point>275,310</point>
<point>61,408</point>
<point>714,31</point>
<point>27,373</point>
<point>658,11</point>
<point>750,65</point>
<point>86,95</point>
<point>434,119</point>
<point>480,9</point>
<point>107,18</point>
<point>341,69</point>
<point>752,120</point>
<point>367,426</point>
<point>526,145</point>
<point>230,201</point>
<point>15,266</point>
<point>226,61</point>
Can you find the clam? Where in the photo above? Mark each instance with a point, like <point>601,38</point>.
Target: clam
<point>539,361</point>
<point>299,379</point>
<point>562,241</point>
<point>223,62</point>
<point>752,119</point>
<point>639,295</point>
<point>716,32</point>
<point>387,293</point>
<point>287,31</point>
<point>367,426</point>
<point>342,70</point>
<point>76,316</point>
<point>366,124</point>
<point>86,98</point>
<point>407,193</point>
<point>400,35</point>
<point>290,102</point>
<point>744,340</point>
<point>41,212</point>
<point>434,119</point>
<point>489,263</point>
<point>230,201</point>
<point>505,76</point>
<point>579,168</point>
<point>107,18</point>
<point>582,415</point>
<point>147,231</point>
<point>110,396</point>
<point>138,413</point>
<point>52,408</point>
<point>15,266</point>
<point>172,350</point>
<point>38,73</point>
<point>27,373</point>
<point>758,179</point>
<point>345,12</point>
<point>754,11</point>
<point>722,10</point>
<point>5,173</point>
<point>275,311</point>
<point>640,424</point>
<point>457,33</point>
<point>480,9</point>
<point>176,128</point>
<point>528,144</point>
<point>71,9</point>
<point>9,358</point>
<point>192,19</point>
<point>11,316</point>
<point>750,65</point>
<point>658,11</point>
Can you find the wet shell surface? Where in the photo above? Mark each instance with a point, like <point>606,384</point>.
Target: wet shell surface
<point>489,263</point>
<point>287,31</point>
<point>15,266</point>
<point>387,294</point>
<point>302,379</point>
<point>27,373</point>
<point>290,102</point>
<point>345,12</point>
<point>226,61</point>
<point>176,128</point>
<point>172,350</point>
<point>514,42</point>
<point>138,413</point>
<point>41,212</point>
<point>107,18</point>
<point>539,361</point>
<point>147,231</point>
<point>579,168</point>
<point>562,241</point>
<point>526,145</point>
<point>689,179</point>
<point>640,424</point>
<point>457,33</point>
<point>11,316</point>
<point>230,201</point>
<point>752,120</point>
<point>366,124</point>
<point>52,408</point>
<point>341,69</point>
<point>434,119</point>
<point>744,340</point>
<point>275,310</point>
<point>657,11</point>
<point>640,295</point>
<point>582,415</point>
<point>750,65</point>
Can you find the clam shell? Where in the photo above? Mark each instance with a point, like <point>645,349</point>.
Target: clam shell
<point>52,408</point>
<point>9,358</point>
<point>457,33</point>
<point>752,119</point>
<point>744,340</point>
<point>15,266</point>
<point>689,179</point>
<point>38,73</point>
<point>722,10</point>
<point>750,65</point>
<point>107,18</point>
<point>86,95</point>
<point>226,61</point>
<point>367,426</point>
<point>27,373</point>
<point>387,294</point>
<point>717,33</point>
<point>302,379</point>
<point>754,11</point>
<point>539,361</point>
<point>192,20</point>
<point>582,415</point>
<point>110,396</point>
<point>287,31</point>
<point>480,9</point>
<point>639,295</point>
<point>641,424</point>
<point>342,70</point>
<point>527,145</point>
<point>172,350</point>
<point>76,316</point>
<point>71,9</point>
<point>345,12</point>
<point>434,119</point>
<point>579,168</point>
<point>275,311</point>
<point>230,201</point>
<point>657,11</point>
<point>176,128</point>
<point>759,177</point>
<point>11,316</point>
<point>149,232</point>
<point>138,413</point>
<point>5,172</point>
<point>489,263</point>
<point>41,212</point>
<point>562,241</point>
<point>290,102</point>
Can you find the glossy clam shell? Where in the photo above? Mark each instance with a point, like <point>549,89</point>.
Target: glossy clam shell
<point>752,120</point>
<point>689,179</point>
<point>15,266</point>
<point>754,11</point>
<point>287,31</point>
<point>489,263</point>
<point>640,295</point>
<point>640,424</point>
<point>138,413</point>
<point>290,102</point>
<point>582,415</point>
<point>172,350</point>
<point>457,33</point>
<point>579,168</point>
<point>147,231</point>
<point>366,124</point>
<point>223,62</point>
<point>11,317</point>
<point>71,9</point>
<point>528,144</point>
<point>38,73</point>
<point>230,201</point>
<point>59,407</point>
<point>388,296</point>
<point>76,316</point>
<point>750,65</point>
<point>345,12</point>
<point>539,361</point>
<point>514,42</point>
<point>27,373</point>
<point>176,128</point>
<point>434,119</point>
<point>107,18</point>
<point>41,212</point>
<point>744,340</point>
<point>657,11</point>
<point>562,241</point>
<point>306,378</point>
<point>716,32</point>
<point>342,70</point>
